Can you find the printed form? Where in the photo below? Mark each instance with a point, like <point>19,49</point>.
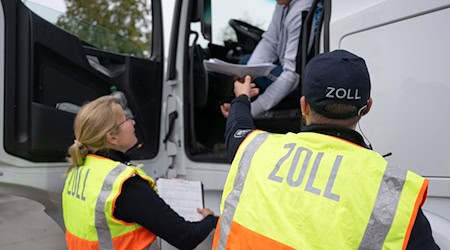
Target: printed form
<point>239,70</point>
<point>183,196</point>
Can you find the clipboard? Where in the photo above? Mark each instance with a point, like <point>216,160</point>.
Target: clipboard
<point>183,196</point>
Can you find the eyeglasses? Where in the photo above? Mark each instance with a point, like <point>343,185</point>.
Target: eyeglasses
<point>127,119</point>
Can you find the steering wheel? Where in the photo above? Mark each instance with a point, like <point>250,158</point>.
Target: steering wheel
<point>248,35</point>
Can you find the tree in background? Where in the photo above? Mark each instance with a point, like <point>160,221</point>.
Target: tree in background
<point>122,26</point>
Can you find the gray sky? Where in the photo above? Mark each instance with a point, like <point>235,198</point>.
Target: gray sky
<point>54,4</point>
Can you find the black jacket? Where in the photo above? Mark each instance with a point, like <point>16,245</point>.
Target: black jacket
<point>139,203</point>
<point>240,123</point>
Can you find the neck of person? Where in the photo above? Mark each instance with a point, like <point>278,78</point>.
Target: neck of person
<point>114,155</point>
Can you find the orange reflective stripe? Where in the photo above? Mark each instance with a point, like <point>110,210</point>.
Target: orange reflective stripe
<point>144,176</point>
<point>244,238</point>
<point>75,243</point>
<point>137,239</point>
<point>113,204</point>
<point>419,202</point>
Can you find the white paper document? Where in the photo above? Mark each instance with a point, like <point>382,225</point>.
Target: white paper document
<point>183,196</point>
<point>239,70</point>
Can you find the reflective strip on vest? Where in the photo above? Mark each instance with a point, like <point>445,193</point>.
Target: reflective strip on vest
<point>101,224</point>
<point>384,209</point>
<point>373,205</point>
<point>233,198</point>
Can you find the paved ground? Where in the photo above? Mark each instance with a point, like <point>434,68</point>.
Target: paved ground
<point>24,225</point>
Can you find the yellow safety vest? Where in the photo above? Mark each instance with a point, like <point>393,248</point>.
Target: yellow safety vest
<point>313,191</point>
<point>89,197</point>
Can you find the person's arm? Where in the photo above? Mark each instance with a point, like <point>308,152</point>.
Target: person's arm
<point>421,236</point>
<point>266,49</point>
<point>139,203</point>
<point>288,79</point>
<point>239,125</point>
<point>275,92</point>
<point>239,121</point>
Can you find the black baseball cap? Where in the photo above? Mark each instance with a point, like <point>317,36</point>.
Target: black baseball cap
<point>337,77</point>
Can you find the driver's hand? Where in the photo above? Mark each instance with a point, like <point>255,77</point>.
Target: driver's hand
<point>245,87</point>
<point>225,108</point>
<point>254,91</point>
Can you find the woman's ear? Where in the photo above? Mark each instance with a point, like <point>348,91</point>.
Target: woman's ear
<point>112,139</point>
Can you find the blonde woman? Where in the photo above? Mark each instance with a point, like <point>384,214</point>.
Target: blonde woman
<point>107,202</point>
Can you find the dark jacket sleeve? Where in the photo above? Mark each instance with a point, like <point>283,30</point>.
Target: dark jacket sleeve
<point>239,125</point>
<point>139,203</point>
<point>421,236</point>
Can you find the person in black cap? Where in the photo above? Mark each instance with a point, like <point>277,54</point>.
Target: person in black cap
<point>337,86</point>
<point>323,187</point>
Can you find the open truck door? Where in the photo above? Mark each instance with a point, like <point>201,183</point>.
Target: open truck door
<point>178,117</point>
<point>45,72</point>
<point>400,48</point>
<point>201,30</point>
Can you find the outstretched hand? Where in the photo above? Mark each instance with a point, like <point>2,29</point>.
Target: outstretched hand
<point>241,86</point>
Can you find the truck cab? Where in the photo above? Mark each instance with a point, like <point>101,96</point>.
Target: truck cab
<point>48,68</point>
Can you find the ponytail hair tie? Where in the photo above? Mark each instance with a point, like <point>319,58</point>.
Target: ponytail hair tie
<point>79,144</point>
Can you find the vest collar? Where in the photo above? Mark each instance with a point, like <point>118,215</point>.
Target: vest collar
<point>114,155</point>
<point>338,131</point>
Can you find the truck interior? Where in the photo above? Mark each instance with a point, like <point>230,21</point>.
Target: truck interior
<point>204,124</point>
<point>76,70</point>
<point>46,66</point>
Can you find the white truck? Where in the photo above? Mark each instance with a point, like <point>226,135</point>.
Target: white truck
<point>176,103</point>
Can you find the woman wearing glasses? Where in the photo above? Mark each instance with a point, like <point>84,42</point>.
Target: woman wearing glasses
<point>107,202</point>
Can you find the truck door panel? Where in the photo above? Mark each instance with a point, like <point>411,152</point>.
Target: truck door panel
<point>45,65</point>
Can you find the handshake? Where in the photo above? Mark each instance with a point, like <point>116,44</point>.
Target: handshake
<point>242,86</point>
